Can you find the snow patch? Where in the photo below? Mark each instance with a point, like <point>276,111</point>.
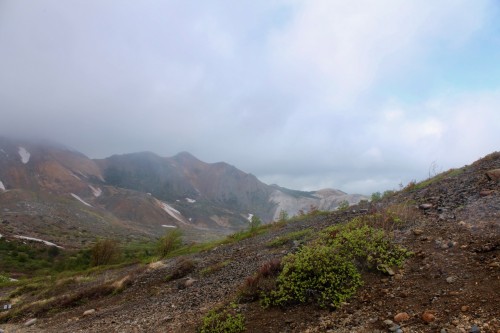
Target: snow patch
<point>39,240</point>
<point>170,210</point>
<point>96,191</point>
<point>25,155</point>
<point>249,218</point>
<point>168,226</point>
<point>72,174</point>
<point>2,186</point>
<point>190,200</point>
<point>80,199</point>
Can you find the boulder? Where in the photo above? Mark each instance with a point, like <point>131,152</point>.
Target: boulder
<point>493,174</point>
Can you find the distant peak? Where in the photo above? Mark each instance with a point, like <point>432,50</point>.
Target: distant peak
<point>185,156</point>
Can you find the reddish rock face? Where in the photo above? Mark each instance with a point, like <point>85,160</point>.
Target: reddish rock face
<point>493,174</point>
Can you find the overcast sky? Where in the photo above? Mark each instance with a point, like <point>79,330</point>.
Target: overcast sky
<point>357,95</point>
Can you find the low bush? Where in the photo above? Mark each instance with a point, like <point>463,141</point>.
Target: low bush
<point>262,283</point>
<point>183,267</point>
<point>315,273</point>
<point>223,322</point>
<point>104,252</point>
<point>328,271</point>
<point>171,241</point>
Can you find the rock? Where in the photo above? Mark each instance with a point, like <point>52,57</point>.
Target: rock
<point>451,279</point>
<point>402,316</point>
<point>493,174</point>
<point>474,329</point>
<point>417,232</point>
<point>464,308</point>
<point>443,330</point>
<point>189,282</point>
<point>1,330</point>
<point>394,328</point>
<point>425,206</point>
<point>388,322</point>
<point>89,312</point>
<point>30,322</point>
<point>428,316</point>
<point>485,193</point>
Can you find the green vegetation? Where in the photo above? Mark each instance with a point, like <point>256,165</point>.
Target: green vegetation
<point>215,267</point>
<point>423,184</point>
<point>171,241</point>
<point>223,322</point>
<point>328,271</point>
<point>296,235</point>
<point>104,252</point>
<point>343,205</point>
<point>255,223</point>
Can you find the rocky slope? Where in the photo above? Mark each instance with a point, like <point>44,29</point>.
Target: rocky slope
<point>52,192</point>
<point>451,283</point>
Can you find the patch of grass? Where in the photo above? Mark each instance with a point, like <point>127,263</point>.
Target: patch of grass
<point>215,268</point>
<point>296,235</point>
<point>423,184</point>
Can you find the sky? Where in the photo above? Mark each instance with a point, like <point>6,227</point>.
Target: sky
<point>357,95</point>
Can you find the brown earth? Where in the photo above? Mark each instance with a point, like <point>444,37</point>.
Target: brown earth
<point>450,284</point>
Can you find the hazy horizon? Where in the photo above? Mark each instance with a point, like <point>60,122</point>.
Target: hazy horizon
<point>358,96</point>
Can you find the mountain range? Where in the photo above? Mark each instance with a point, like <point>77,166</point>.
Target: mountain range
<point>53,192</point>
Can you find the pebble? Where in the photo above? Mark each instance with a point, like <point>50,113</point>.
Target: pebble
<point>474,329</point>
<point>89,312</point>
<point>443,330</point>
<point>30,322</point>
<point>394,328</point>
<point>451,279</point>
<point>1,330</point>
<point>417,232</point>
<point>388,322</point>
<point>428,317</point>
<point>402,316</point>
<point>464,308</point>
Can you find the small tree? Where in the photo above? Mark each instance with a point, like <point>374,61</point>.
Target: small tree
<point>104,252</point>
<point>255,223</point>
<point>170,241</point>
<point>376,196</point>
<point>343,205</point>
<point>283,216</point>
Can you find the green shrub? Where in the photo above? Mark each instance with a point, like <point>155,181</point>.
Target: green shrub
<point>364,245</point>
<point>171,241</point>
<point>327,272</point>
<point>315,273</point>
<point>255,223</point>
<point>104,252</point>
<point>222,322</point>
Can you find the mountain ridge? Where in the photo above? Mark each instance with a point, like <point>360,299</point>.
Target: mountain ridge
<point>137,193</point>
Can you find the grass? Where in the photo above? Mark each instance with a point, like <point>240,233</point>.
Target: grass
<point>423,184</point>
<point>296,235</point>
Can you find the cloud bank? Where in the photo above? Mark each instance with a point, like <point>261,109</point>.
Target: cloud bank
<point>356,95</point>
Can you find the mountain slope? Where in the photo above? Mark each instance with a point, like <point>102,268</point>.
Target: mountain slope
<point>135,195</point>
<point>451,223</point>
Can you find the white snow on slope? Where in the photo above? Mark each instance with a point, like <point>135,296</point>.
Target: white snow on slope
<point>170,210</point>
<point>168,226</point>
<point>39,240</point>
<point>25,155</point>
<point>80,199</point>
<point>190,200</point>
<point>2,186</point>
<point>97,191</point>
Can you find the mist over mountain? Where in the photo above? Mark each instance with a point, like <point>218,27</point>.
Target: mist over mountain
<point>48,190</point>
